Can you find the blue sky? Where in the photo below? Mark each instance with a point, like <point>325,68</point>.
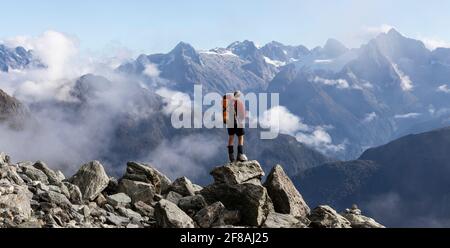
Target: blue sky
<point>156,26</point>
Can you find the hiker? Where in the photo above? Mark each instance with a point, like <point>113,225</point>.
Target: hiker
<point>234,107</point>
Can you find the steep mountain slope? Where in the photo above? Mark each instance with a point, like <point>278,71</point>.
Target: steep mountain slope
<point>407,178</point>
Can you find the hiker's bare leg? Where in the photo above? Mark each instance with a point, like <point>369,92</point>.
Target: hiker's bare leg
<point>231,140</point>
<point>241,140</point>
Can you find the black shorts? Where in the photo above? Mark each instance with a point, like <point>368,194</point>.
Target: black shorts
<point>236,131</point>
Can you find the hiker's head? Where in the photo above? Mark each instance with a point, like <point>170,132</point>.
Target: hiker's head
<point>237,94</point>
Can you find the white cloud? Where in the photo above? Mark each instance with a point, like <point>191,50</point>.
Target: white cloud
<point>405,82</point>
<point>370,117</point>
<point>174,100</point>
<point>444,88</point>
<point>376,30</point>
<point>407,116</point>
<point>279,118</point>
<point>56,50</point>
<point>152,70</point>
<point>339,83</point>
<point>320,140</point>
<point>432,42</point>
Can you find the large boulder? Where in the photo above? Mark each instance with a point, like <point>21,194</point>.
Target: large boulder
<point>137,191</point>
<point>146,173</point>
<point>91,179</point>
<point>16,198</point>
<point>183,186</point>
<point>168,215</point>
<point>75,195</point>
<point>277,220</point>
<point>210,215</point>
<point>56,199</point>
<point>10,173</point>
<point>119,200</point>
<point>285,197</point>
<point>237,173</point>
<point>4,159</point>
<point>34,174</point>
<point>250,199</point>
<point>53,177</point>
<point>326,217</point>
<point>357,220</point>
<point>192,204</point>
<point>173,197</point>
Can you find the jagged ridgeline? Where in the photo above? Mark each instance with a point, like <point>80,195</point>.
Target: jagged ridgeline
<point>33,195</point>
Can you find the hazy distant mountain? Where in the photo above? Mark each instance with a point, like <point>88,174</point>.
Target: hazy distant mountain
<point>403,183</point>
<point>16,58</point>
<point>281,54</point>
<point>240,66</point>
<point>369,95</point>
<point>12,112</point>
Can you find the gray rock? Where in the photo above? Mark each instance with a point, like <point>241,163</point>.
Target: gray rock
<point>277,220</point>
<point>130,214</point>
<point>285,197</point>
<point>75,195</point>
<point>173,197</point>
<point>357,220</point>
<point>361,221</point>
<point>19,201</point>
<point>116,220</point>
<point>168,215</point>
<point>10,172</point>
<point>32,224</point>
<point>146,173</point>
<point>237,173</point>
<point>144,209</point>
<point>251,200</point>
<point>209,215</point>
<point>183,186</point>
<point>119,200</point>
<point>192,204</point>
<point>326,217</point>
<point>56,198</point>
<point>34,174</point>
<point>53,178</point>
<point>4,159</point>
<point>101,200</point>
<point>91,179</point>
<point>131,226</point>
<point>197,188</point>
<point>138,191</point>
<point>230,217</point>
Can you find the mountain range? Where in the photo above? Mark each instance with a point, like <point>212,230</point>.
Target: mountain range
<point>406,178</point>
<point>348,99</point>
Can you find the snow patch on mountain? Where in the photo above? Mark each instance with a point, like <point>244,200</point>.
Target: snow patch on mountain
<point>405,82</point>
<point>407,116</point>
<point>276,63</point>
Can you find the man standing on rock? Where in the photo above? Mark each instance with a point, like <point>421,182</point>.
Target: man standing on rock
<point>234,107</point>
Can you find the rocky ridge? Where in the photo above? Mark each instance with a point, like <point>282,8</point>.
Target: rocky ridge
<point>34,196</point>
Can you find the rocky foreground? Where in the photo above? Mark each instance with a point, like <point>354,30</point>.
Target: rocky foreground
<point>34,196</point>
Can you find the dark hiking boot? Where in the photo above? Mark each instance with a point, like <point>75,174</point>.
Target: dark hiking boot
<point>231,154</point>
